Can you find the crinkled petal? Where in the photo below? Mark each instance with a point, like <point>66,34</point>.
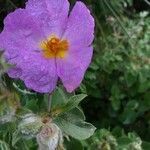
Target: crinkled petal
<point>38,73</point>
<point>22,23</point>
<point>15,72</point>
<point>80,34</point>
<point>53,14</point>
<point>71,69</point>
<point>20,41</point>
<point>80,27</point>
<point>21,34</point>
<point>25,28</point>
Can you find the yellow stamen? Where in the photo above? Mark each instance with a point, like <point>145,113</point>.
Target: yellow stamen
<point>54,48</point>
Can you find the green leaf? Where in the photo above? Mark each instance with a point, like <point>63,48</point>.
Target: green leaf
<point>59,97</point>
<point>72,103</point>
<point>4,145</point>
<point>16,137</point>
<point>32,105</point>
<point>116,97</point>
<point>74,125</point>
<point>130,112</point>
<point>124,141</point>
<point>73,144</point>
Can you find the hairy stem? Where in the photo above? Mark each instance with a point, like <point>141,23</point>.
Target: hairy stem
<point>49,101</point>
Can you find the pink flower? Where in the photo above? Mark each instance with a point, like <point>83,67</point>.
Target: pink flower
<point>45,44</point>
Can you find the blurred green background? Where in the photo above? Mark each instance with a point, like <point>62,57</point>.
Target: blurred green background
<point>118,80</point>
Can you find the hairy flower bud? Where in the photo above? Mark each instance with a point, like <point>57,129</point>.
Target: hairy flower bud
<point>50,137</point>
<point>9,102</point>
<point>30,125</point>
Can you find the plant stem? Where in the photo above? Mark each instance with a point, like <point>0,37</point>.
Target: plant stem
<point>49,101</point>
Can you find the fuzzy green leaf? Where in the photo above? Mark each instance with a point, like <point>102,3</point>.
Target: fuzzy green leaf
<point>4,145</point>
<point>72,103</point>
<point>74,125</point>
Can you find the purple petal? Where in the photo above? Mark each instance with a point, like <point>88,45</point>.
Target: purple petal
<point>39,73</point>
<point>71,69</point>
<point>53,14</point>
<point>80,34</point>
<point>26,28</point>
<point>15,72</point>
<point>21,34</point>
<point>21,22</point>
<point>21,39</point>
<point>80,28</point>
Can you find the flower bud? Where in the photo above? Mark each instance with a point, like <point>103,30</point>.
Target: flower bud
<point>50,137</point>
<point>30,125</point>
<point>9,102</point>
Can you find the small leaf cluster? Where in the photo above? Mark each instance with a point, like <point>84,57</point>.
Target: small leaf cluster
<point>23,113</point>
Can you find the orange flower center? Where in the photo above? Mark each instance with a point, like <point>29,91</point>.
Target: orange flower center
<point>54,48</point>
